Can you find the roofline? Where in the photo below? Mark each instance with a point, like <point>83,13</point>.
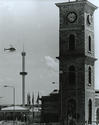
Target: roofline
<point>74,2</point>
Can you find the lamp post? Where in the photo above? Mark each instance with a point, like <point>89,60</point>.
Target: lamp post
<point>7,86</point>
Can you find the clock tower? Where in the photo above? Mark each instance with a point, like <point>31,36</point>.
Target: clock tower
<point>76,62</point>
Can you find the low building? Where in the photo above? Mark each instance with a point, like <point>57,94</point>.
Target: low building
<point>14,113</point>
<point>50,108</point>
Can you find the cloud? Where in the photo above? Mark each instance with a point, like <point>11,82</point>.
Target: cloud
<point>51,63</point>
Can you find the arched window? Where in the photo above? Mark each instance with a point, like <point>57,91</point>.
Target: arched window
<point>71,42</point>
<point>97,115</point>
<point>71,112</point>
<point>90,111</point>
<point>72,76</point>
<point>89,40</point>
<point>89,74</point>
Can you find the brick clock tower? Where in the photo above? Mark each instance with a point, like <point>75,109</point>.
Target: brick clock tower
<point>76,62</point>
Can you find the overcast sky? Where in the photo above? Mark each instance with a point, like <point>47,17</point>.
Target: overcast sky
<point>34,23</point>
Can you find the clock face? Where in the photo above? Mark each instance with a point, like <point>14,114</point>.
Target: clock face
<point>89,19</point>
<point>72,16</point>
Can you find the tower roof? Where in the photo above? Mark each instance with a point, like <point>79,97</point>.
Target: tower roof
<point>75,2</point>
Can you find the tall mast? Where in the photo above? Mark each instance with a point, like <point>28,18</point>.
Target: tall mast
<point>23,73</point>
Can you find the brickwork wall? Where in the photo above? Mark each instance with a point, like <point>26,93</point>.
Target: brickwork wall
<point>80,58</point>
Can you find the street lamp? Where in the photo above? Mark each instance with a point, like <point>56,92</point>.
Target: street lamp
<point>7,86</point>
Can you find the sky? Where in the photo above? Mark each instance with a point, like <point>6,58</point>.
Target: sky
<point>34,24</point>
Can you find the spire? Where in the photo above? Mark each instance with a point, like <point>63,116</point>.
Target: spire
<point>28,99</point>
<point>23,47</point>
<point>37,101</point>
<point>33,98</point>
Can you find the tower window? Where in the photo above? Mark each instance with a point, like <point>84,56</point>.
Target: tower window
<point>89,75</point>
<point>89,40</point>
<point>90,112</point>
<point>97,115</point>
<point>71,112</point>
<point>71,42</point>
<point>72,78</point>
